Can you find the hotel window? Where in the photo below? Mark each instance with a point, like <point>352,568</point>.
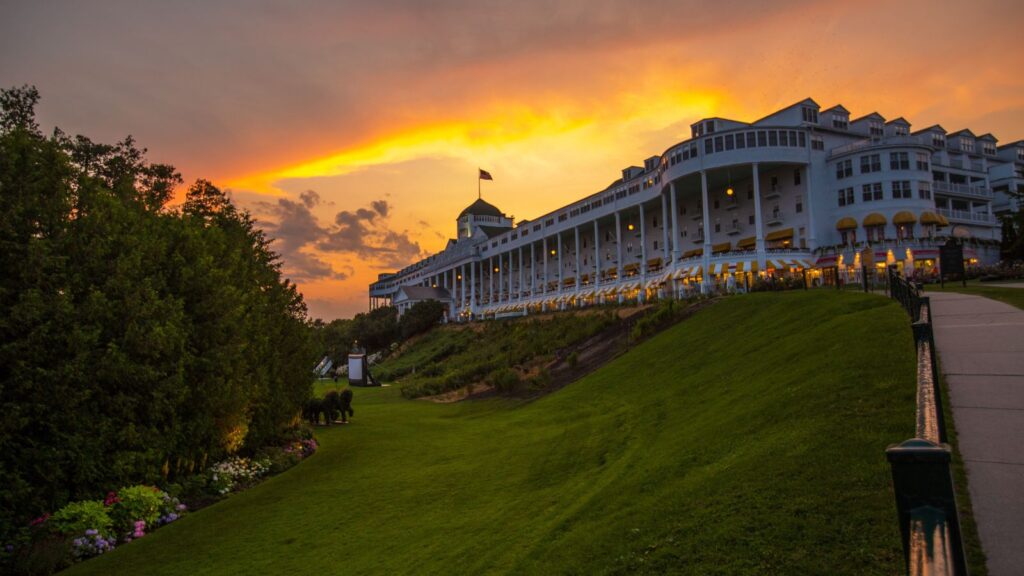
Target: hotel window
<point>562,217</point>
<point>654,223</point>
<point>922,161</point>
<point>846,197</point>
<point>870,163</point>
<point>938,141</point>
<point>810,115</point>
<point>783,138</point>
<point>901,189</point>
<point>966,144</point>
<point>844,169</point>
<point>849,236</point>
<point>716,204</point>
<point>655,246</point>
<point>803,140</point>
<point>792,138</point>
<point>762,138</point>
<point>739,141</point>
<point>796,177</point>
<point>924,190</point>
<point>840,121</point>
<point>899,161</point>
<point>989,148</point>
<point>905,231</point>
<point>719,144</point>
<point>901,130</point>
<point>718,227</point>
<point>773,138</point>
<point>799,204</point>
<point>817,143</point>
<point>752,140</point>
<point>549,222</point>
<point>1020,154</point>
<point>709,126</point>
<point>875,128</point>
<point>751,219</point>
<point>872,192</point>
<point>774,183</point>
<point>875,233</point>
<point>729,142</point>
<point>750,193</point>
<point>708,146</point>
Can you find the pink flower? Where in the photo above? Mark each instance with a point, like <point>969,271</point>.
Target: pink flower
<point>111,499</point>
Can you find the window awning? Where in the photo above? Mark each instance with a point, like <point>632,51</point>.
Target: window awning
<point>928,217</point>
<point>739,266</point>
<point>723,247</point>
<point>654,262</point>
<point>875,219</point>
<point>694,252</point>
<point>943,221</point>
<point>846,223</point>
<point>779,235</point>
<point>904,217</point>
<point>747,242</point>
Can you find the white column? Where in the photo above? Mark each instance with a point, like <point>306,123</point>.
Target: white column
<point>597,257</point>
<point>533,270</point>
<point>544,281</point>
<point>675,222</point>
<point>509,273</point>
<point>667,253</point>
<point>576,247</point>
<point>490,278</point>
<point>758,220</point>
<point>618,246</point>
<point>462,298</point>
<point>559,248</point>
<point>519,291</point>
<point>707,226</point>
<point>472,287</point>
<point>643,245</point>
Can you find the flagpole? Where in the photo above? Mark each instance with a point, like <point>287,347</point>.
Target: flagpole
<point>477,183</point>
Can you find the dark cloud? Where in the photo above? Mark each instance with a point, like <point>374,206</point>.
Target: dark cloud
<point>303,242</point>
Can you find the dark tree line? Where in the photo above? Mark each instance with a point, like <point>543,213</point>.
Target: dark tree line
<point>376,330</point>
<point>137,341</point>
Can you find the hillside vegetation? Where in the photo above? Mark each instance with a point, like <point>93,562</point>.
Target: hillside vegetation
<point>748,439</point>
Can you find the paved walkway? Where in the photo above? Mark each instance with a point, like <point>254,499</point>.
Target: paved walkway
<point>981,347</point>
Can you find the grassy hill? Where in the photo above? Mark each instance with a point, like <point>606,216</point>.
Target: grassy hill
<point>746,440</point>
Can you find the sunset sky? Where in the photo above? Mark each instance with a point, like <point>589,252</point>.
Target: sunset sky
<point>353,130</point>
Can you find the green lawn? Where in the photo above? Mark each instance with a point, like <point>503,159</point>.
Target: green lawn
<point>747,440</point>
<point>1012,296</point>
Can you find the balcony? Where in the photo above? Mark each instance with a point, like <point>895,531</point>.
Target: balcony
<point>876,142</point>
<point>967,216</point>
<point>775,218</point>
<point>962,190</point>
<point>732,205</point>
<point>772,194</point>
<point>733,230</point>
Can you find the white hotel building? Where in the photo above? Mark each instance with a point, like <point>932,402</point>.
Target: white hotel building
<point>802,191</point>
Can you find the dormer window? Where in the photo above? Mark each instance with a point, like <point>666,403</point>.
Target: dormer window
<point>1020,154</point>
<point>967,145</point>
<point>840,121</point>
<point>902,130</point>
<point>810,115</point>
<point>875,128</point>
<point>709,126</point>
<point>938,141</point>
<point>989,149</point>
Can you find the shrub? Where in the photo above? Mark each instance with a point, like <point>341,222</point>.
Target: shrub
<point>77,517</point>
<point>136,503</point>
<point>573,360</point>
<point>504,379</point>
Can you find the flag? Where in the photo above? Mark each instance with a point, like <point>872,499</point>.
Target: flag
<point>485,175</point>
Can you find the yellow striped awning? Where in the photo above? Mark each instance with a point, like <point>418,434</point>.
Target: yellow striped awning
<point>846,223</point>
<point>779,235</point>
<point>875,219</point>
<point>722,247</point>
<point>654,262</point>
<point>943,221</point>
<point>904,217</point>
<point>697,271</point>
<point>754,267</point>
<point>739,266</point>
<point>776,264</point>
<point>928,217</point>
<point>694,252</point>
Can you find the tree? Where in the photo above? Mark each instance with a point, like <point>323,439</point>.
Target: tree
<point>422,316</point>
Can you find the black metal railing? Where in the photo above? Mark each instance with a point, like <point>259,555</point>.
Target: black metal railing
<point>922,476</point>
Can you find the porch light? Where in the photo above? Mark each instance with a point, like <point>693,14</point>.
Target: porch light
<point>729,191</point>
<point>553,252</point>
<point>459,277</point>
<point>495,268</point>
<point>629,227</point>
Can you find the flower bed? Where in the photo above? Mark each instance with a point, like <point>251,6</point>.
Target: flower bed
<point>84,529</point>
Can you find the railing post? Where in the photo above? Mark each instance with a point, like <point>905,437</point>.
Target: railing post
<point>921,477</point>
